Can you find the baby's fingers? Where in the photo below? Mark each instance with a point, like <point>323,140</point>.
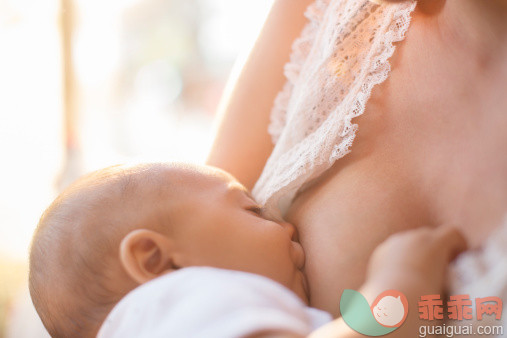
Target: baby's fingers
<point>451,241</point>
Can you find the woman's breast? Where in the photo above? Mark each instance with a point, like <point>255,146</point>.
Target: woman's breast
<point>374,191</point>
<point>417,160</point>
<point>343,216</point>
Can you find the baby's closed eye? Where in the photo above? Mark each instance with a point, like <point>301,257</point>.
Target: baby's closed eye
<point>259,211</point>
<point>256,209</point>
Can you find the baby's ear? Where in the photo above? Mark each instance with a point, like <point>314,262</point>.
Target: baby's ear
<point>146,254</point>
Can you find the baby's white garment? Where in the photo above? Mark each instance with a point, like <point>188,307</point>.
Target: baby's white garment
<point>341,55</point>
<point>209,302</point>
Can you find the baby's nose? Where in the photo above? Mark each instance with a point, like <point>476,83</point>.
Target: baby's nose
<point>291,229</point>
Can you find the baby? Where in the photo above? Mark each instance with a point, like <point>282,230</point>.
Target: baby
<point>119,228</point>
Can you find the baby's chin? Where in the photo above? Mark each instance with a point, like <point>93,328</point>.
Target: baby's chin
<point>301,287</point>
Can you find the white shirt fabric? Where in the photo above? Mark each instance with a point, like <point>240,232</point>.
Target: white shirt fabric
<point>483,273</point>
<point>210,302</point>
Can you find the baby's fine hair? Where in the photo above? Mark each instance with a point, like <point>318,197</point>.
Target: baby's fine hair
<point>74,253</point>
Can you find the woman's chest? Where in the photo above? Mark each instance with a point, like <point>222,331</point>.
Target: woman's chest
<point>428,119</point>
<point>422,128</point>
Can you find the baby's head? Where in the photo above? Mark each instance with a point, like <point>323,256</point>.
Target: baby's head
<point>120,227</point>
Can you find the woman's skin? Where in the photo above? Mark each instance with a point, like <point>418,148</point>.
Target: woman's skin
<point>430,149</point>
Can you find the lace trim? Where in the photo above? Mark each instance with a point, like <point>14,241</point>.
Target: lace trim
<point>283,175</point>
<point>300,50</point>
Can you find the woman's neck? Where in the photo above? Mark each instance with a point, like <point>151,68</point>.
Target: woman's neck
<point>477,27</point>
<point>460,60</point>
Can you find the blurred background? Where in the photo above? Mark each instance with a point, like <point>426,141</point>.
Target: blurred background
<point>91,83</point>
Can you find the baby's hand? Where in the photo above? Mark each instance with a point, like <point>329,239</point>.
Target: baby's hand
<point>412,262</point>
<point>415,261</point>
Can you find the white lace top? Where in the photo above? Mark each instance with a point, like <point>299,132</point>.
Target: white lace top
<point>342,53</point>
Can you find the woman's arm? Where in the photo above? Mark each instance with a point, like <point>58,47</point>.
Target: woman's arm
<point>243,145</point>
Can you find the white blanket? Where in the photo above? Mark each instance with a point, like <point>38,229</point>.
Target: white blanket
<point>209,302</point>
